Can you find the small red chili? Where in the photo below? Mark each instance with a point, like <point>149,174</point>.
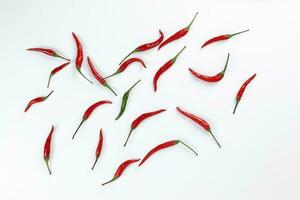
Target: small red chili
<point>141,118</point>
<point>47,148</point>
<point>178,34</point>
<point>89,111</point>
<point>214,78</point>
<point>79,56</point>
<point>241,91</point>
<point>55,70</point>
<point>147,46</point>
<point>36,100</point>
<point>164,146</point>
<point>221,38</point>
<point>164,68</point>
<point>98,76</point>
<point>125,64</point>
<point>99,148</point>
<point>49,52</point>
<point>121,169</point>
<point>200,122</point>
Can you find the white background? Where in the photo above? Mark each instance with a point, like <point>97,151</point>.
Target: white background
<point>259,158</point>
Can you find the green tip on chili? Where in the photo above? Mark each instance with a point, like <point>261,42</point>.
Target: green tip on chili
<point>234,34</point>
<point>210,132</point>
<point>224,70</point>
<point>174,59</point>
<point>128,137</point>
<point>189,26</point>
<point>113,179</point>
<point>83,120</point>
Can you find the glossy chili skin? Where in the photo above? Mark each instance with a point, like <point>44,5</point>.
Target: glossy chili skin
<point>89,111</point>
<point>79,56</point>
<point>121,169</point>
<point>98,76</point>
<point>99,148</point>
<point>125,65</point>
<point>36,100</point>
<point>47,148</point>
<point>147,46</point>
<point>164,146</point>
<point>201,122</point>
<point>55,70</point>
<point>49,52</point>
<point>221,38</point>
<point>179,34</point>
<point>125,99</point>
<point>211,79</point>
<point>242,90</point>
<point>140,119</point>
<point>164,68</point>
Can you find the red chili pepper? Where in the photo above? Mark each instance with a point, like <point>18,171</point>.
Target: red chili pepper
<point>89,111</point>
<point>164,68</point>
<point>221,37</point>
<point>99,148</point>
<point>147,46</point>
<point>199,121</point>
<point>37,100</point>
<point>241,91</point>
<point>121,169</point>
<point>164,146</point>
<point>141,118</point>
<point>125,64</point>
<point>214,78</point>
<point>47,149</point>
<point>55,70</point>
<point>49,52</point>
<point>178,34</point>
<point>98,76</point>
<point>79,56</point>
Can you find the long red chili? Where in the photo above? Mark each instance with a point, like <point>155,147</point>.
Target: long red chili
<point>36,100</point>
<point>221,38</point>
<point>79,56</point>
<point>99,148</point>
<point>98,76</point>
<point>125,64</point>
<point>164,146</point>
<point>199,121</point>
<point>49,52</point>
<point>164,68</point>
<point>89,111</point>
<point>178,34</point>
<point>241,91</point>
<point>214,78</point>
<point>55,70</point>
<point>141,118</point>
<point>147,46</point>
<point>47,148</point>
<point>121,169</point>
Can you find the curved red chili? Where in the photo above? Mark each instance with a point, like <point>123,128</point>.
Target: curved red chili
<point>125,64</point>
<point>98,77</point>
<point>47,149</point>
<point>121,169</point>
<point>89,111</point>
<point>164,146</point>
<point>164,68</point>
<point>99,148</point>
<point>221,38</point>
<point>55,70</point>
<point>214,78</point>
<point>178,34</point>
<point>37,100</point>
<point>199,121</point>
<point>147,46</point>
<point>141,118</point>
<point>79,56</point>
<point>48,52</point>
<point>241,91</point>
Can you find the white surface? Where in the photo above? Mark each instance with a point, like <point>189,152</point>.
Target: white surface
<point>259,158</point>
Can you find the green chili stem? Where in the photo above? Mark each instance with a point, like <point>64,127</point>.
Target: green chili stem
<point>84,75</point>
<point>175,57</point>
<point>231,35</point>
<point>189,26</point>
<point>224,70</point>
<point>77,129</point>
<point>128,137</point>
<point>95,163</point>
<point>47,163</point>
<point>62,57</point>
<point>106,85</point>
<point>113,179</point>
<point>127,56</point>
<point>49,80</point>
<point>237,102</point>
<point>117,72</point>
<point>188,147</point>
<point>214,138</point>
